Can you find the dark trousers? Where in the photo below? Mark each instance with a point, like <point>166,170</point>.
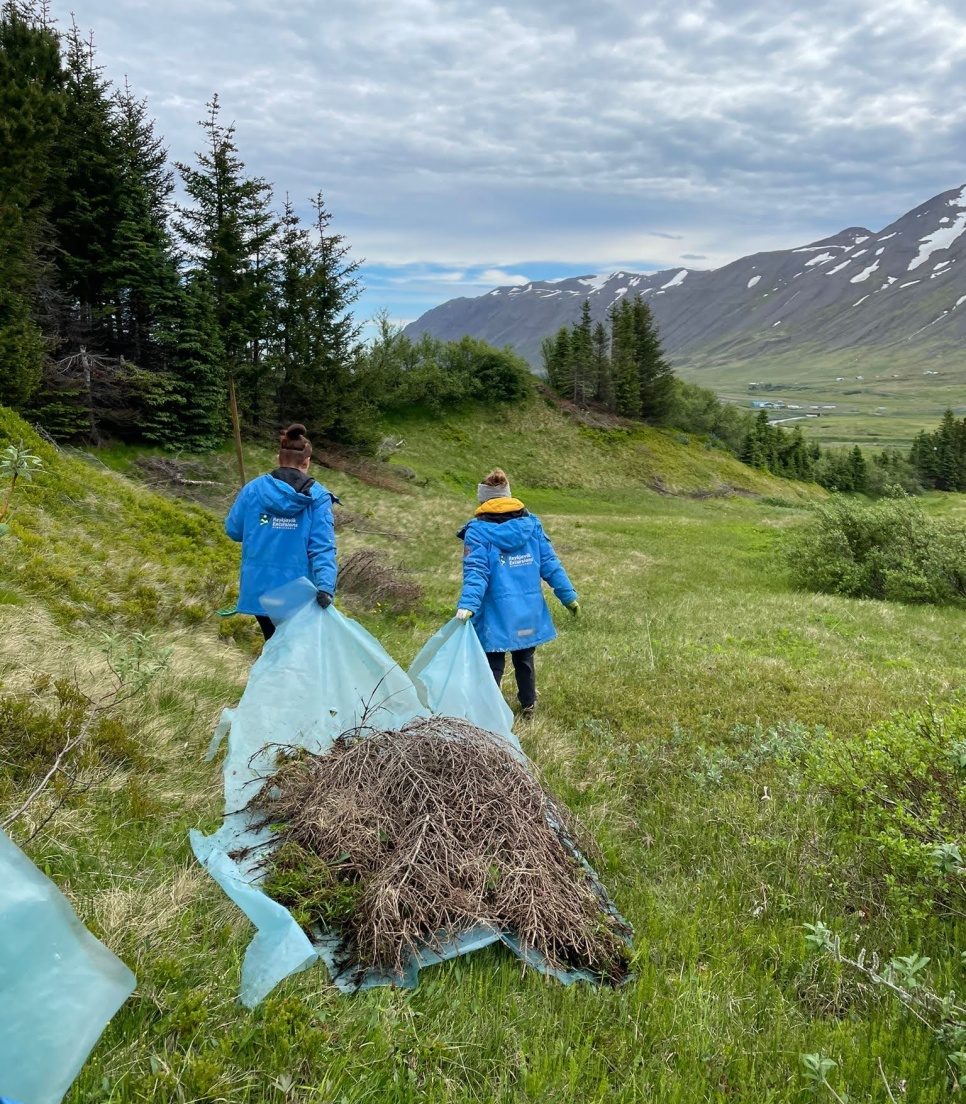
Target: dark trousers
<point>267,625</point>
<point>523,667</point>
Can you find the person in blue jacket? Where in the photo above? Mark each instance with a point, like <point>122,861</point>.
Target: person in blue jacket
<point>506,557</point>
<point>284,523</point>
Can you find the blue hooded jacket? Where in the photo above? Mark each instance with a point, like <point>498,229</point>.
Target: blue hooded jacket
<point>286,532</point>
<point>504,561</point>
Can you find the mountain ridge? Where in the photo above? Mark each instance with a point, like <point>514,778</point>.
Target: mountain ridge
<point>845,296</point>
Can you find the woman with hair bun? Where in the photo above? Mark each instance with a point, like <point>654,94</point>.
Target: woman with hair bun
<point>284,524</point>
<point>506,558</point>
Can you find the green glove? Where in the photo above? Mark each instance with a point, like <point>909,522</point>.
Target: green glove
<point>574,607</point>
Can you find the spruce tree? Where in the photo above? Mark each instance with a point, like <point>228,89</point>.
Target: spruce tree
<point>186,402</point>
<point>949,460</point>
<point>603,384</point>
<point>581,382</point>
<point>858,470</point>
<point>548,348</point>
<point>558,360</point>
<point>755,450</point>
<point>654,372</point>
<point>228,233</point>
<point>86,199</point>
<point>31,108</point>
<point>318,286</point>
<point>624,373</point>
<point>143,282</point>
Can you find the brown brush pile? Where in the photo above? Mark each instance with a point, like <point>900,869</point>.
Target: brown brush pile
<point>365,576</point>
<point>395,837</point>
<point>359,523</point>
<point>373,473</point>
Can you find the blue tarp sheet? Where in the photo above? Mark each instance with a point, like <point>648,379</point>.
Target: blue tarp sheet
<point>59,986</point>
<point>320,675</point>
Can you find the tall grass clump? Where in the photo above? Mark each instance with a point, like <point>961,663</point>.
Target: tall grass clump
<point>889,550</point>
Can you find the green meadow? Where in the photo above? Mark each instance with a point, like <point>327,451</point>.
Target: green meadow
<point>678,717</point>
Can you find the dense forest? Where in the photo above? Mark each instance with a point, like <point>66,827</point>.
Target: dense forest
<point>125,314</point>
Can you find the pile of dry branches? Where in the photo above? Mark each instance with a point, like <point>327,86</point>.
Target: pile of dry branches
<point>438,827</point>
<point>161,470</point>
<point>364,575</point>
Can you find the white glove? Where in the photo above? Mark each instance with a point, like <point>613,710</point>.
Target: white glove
<point>463,615</point>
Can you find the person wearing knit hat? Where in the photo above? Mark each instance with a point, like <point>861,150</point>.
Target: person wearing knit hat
<point>506,558</point>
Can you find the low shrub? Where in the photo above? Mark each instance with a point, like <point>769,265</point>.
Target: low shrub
<point>888,550</point>
<point>896,801</point>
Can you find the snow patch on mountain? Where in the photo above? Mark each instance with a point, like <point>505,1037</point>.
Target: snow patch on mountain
<point>595,283</point>
<point>941,239</point>
<point>676,281</point>
<point>865,273</point>
<point>754,280</point>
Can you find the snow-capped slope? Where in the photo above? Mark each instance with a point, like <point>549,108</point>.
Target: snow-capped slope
<point>901,286</point>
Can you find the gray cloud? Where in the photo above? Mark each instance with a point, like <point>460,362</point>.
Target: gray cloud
<point>464,133</point>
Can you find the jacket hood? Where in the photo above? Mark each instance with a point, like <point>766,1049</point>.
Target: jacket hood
<point>276,497</point>
<point>509,535</point>
<point>498,507</point>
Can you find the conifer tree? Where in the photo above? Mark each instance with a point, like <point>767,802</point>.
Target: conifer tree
<point>228,232</point>
<point>624,373</point>
<point>548,348</point>
<point>755,451</point>
<point>949,462</point>
<point>318,334</point>
<point>654,371</point>
<point>86,198</point>
<point>186,402</point>
<point>558,360</point>
<point>858,470</point>
<point>603,384</point>
<point>581,383</point>
<point>143,275</point>
<point>31,109</point>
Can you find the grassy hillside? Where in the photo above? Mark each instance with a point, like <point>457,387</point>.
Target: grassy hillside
<point>671,717</point>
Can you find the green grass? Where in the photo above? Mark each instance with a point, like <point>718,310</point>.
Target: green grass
<point>689,648</point>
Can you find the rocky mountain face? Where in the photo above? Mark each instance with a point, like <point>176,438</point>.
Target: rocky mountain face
<point>902,286</point>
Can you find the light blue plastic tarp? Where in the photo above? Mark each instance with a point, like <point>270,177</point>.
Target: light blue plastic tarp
<point>320,675</point>
<point>59,986</point>
<point>453,679</point>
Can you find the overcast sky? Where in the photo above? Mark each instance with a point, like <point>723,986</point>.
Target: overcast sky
<point>462,144</point>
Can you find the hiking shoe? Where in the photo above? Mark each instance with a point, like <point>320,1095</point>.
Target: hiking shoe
<point>528,712</point>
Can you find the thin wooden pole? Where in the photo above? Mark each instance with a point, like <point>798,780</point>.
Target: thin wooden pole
<point>236,426</point>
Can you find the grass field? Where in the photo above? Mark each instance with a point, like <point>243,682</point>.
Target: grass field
<point>666,713</point>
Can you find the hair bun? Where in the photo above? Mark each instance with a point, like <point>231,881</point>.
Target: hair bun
<point>295,432</point>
